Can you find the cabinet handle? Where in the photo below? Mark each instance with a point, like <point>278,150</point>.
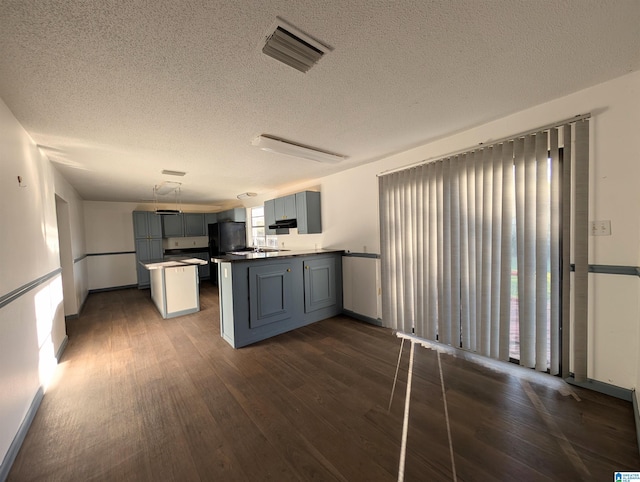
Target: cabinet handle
<point>288,270</point>
<point>306,267</point>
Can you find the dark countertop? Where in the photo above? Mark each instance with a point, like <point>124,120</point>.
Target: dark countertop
<point>250,256</point>
<point>179,251</point>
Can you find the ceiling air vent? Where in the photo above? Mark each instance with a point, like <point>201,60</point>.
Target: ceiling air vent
<point>294,49</point>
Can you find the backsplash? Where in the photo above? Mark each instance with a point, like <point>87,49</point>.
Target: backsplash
<point>187,242</point>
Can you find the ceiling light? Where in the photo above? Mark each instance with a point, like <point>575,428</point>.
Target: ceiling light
<point>246,195</point>
<point>173,173</point>
<point>273,144</point>
<point>166,187</point>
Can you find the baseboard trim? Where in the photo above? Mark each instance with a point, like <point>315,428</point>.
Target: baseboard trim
<point>366,319</point>
<point>601,387</point>
<point>63,347</point>
<point>14,448</point>
<point>112,288</point>
<point>636,416</point>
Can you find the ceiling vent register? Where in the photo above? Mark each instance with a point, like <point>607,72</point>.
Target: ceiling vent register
<point>292,50</point>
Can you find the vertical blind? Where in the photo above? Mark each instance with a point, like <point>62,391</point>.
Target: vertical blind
<point>475,248</point>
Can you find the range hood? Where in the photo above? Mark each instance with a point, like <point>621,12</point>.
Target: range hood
<point>167,212</point>
<point>284,224</point>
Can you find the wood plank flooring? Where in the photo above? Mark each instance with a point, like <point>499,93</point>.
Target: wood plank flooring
<point>139,398</point>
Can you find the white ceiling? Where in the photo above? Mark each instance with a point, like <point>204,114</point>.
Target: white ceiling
<point>115,92</point>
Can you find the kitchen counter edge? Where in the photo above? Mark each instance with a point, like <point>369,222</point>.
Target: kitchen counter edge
<point>231,258</point>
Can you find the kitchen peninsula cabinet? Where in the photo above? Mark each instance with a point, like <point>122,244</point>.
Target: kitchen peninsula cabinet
<point>265,294</point>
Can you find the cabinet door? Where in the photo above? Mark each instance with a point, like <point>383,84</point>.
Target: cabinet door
<point>194,224</point>
<point>270,294</point>
<point>154,223</point>
<point>203,270</point>
<point>269,215</point>
<point>140,228</point>
<point>146,225</point>
<point>155,248</point>
<point>308,212</point>
<point>143,253</point>
<point>172,226</point>
<point>285,207</point>
<point>319,284</point>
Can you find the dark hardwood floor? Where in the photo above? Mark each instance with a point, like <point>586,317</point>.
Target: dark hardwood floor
<point>140,398</point>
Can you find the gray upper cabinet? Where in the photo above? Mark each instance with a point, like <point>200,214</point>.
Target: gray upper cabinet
<point>308,212</point>
<point>194,224</point>
<point>173,226</point>
<point>187,224</point>
<point>269,216</point>
<point>285,207</point>
<point>209,218</point>
<point>146,224</point>
<point>303,206</point>
<point>238,215</point>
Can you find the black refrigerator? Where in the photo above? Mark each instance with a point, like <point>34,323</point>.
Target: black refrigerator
<point>225,237</point>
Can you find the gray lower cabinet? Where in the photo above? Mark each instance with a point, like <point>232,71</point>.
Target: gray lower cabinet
<point>147,231</point>
<point>270,294</point>
<point>319,284</point>
<point>147,250</point>
<point>264,298</point>
<point>203,269</point>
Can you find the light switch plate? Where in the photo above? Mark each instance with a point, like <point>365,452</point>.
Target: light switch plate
<point>601,228</point>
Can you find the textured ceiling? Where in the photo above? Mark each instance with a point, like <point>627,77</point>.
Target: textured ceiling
<point>116,91</point>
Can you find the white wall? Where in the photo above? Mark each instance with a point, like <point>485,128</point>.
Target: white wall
<point>109,230</point>
<point>32,327</point>
<point>350,209</point>
<point>79,277</point>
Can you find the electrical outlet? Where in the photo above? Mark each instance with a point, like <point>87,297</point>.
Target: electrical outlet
<point>600,228</point>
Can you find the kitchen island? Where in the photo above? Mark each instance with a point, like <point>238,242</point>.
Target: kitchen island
<point>265,294</point>
<point>175,285</point>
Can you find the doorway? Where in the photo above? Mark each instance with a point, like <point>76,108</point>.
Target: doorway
<point>66,257</point>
